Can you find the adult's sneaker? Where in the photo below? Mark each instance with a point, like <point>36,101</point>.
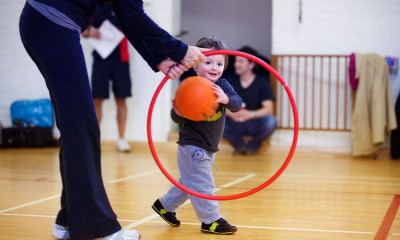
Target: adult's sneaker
<point>123,145</point>
<point>60,232</point>
<point>123,234</point>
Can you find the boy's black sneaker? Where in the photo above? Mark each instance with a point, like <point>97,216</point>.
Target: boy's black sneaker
<point>218,227</point>
<point>169,217</point>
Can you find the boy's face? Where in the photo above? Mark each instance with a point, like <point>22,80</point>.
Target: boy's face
<point>212,69</point>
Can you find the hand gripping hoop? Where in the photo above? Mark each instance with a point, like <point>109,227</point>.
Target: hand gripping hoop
<point>266,183</point>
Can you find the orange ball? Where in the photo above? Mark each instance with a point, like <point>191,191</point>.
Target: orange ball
<point>195,99</point>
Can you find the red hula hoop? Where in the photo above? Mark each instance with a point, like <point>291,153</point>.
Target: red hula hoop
<point>266,183</point>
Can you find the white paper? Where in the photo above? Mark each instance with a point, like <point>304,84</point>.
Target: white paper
<point>111,36</point>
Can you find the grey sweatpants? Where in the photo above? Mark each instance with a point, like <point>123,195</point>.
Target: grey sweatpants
<point>195,165</point>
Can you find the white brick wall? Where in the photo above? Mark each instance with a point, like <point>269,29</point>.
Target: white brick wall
<point>328,27</point>
<point>336,27</point>
<point>144,82</point>
<point>235,22</point>
<point>20,79</point>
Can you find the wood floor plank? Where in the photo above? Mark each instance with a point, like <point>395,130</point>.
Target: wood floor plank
<point>321,195</point>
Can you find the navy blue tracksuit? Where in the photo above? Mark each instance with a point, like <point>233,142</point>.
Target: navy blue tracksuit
<point>57,52</point>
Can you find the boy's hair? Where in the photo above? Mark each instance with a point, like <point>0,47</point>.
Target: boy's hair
<point>213,44</point>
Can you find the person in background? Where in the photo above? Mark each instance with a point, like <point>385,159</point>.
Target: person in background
<point>256,118</point>
<point>115,68</point>
<point>50,32</point>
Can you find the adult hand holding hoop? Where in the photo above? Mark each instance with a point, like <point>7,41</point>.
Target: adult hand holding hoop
<point>194,56</point>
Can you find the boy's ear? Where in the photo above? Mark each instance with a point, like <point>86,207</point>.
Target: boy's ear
<point>253,64</point>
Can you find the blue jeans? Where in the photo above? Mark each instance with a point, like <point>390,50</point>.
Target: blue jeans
<point>195,166</point>
<point>259,130</point>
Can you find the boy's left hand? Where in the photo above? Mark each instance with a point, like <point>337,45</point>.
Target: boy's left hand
<point>221,96</point>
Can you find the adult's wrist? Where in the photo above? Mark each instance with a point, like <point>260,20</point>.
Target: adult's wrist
<point>255,114</point>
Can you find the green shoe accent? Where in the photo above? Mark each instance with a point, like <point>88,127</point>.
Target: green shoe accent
<point>214,226</point>
<point>163,211</point>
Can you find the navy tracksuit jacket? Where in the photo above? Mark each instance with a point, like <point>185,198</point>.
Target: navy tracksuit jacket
<point>57,52</point>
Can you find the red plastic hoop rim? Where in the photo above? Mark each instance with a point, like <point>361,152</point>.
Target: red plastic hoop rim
<point>266,183</point>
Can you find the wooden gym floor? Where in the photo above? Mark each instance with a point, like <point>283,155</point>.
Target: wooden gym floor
<point>321,195</point>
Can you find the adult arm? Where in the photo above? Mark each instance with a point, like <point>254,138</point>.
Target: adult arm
<point>266,109</point>
<point>245,114</point>
<point>152,42</point>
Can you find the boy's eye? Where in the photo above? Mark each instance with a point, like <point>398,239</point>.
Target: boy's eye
<point>220,64</point>
<point>208,62</point>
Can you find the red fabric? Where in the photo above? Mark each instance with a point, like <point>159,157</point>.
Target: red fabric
<point>352,72</point>
<point>124,50</point>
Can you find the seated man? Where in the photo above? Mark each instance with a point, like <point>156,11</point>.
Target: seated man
<point>255,119</point>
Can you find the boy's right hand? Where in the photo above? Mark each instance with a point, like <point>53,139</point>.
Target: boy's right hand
<point>221,96</point>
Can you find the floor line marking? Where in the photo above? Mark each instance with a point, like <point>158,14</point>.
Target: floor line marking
<point>59,195</point>
<point>291,229</point>
<point>30,203</point>
<point>132,176</point>
<point>236,181</point>
<point>148,220</point>
<point>340,182</point>
<point>321,179</point>
<point>369,178</point>
<point>28,215</point>
<point>289,175</point>
<point>387,222</point>
<point>151,217</point>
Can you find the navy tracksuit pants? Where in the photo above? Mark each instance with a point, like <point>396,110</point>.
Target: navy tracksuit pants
<point>57,52</point>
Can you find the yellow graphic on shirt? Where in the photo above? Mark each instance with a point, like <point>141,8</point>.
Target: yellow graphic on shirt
<point>215,116</point>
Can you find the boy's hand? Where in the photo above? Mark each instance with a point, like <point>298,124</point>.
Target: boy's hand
<point>221,96</point>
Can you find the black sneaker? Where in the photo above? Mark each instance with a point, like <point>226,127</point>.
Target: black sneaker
<point>218,227</point>
<point>169,217</point>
